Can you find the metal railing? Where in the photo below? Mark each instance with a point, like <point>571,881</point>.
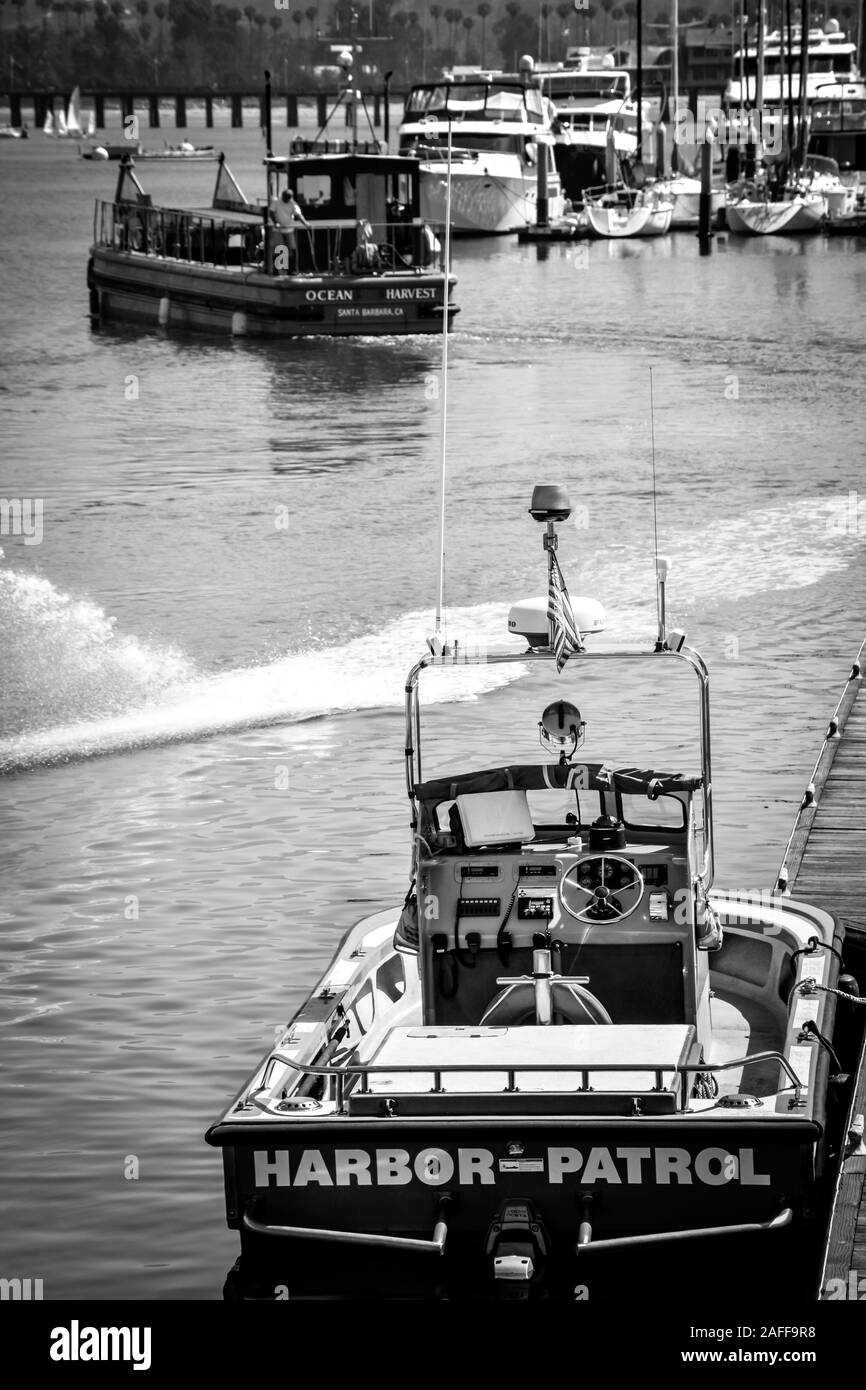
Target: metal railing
<point>323,248</point>
<point>341,1074</point>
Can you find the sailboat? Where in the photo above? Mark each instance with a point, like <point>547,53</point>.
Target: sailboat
<point>762,208</point>
<point>69,125</point>
<point>618,209</point>
<point>73,114</point>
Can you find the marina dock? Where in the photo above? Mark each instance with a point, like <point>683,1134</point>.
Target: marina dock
<point>825,862</point>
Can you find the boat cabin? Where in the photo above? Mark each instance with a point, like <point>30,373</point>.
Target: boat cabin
<point>363,209</point>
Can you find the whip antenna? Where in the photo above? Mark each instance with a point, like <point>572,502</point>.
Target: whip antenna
<point>440,597</point>
<point>661,564</point>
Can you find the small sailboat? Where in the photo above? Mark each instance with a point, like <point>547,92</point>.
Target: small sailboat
<point>48,124</point>
<point>616,211</point>
<point>62,127</point>
<point>619,209</point>
<point>91,124</point>
<point>751,213</point>
<point>73,115</point>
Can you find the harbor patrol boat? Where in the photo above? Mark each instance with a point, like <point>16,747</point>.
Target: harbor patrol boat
<point>566,1048</point>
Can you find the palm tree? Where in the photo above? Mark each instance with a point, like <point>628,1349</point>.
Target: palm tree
<point>453,17</point>
<point>276,23</point>
<point>310,15</point>
<point>435,15</point>
<point>483,10</point>
<point>249,16</point>
<point>565,12</point>
<point>160,10</point>
<point>80,8</point>
<point>143,8</point>
<point>468,25</point>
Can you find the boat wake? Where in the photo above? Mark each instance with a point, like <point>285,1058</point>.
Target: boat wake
<point>96,692</point>
<point>84,690</point>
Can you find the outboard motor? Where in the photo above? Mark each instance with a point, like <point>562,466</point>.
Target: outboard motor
<point>518,1243</point>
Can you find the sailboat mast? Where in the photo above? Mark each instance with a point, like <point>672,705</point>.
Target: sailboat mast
<point>675,71</point>
<point>759,81</point>
<point>804,77</point>
<point>443,443</point>
<point>639,80</point>
<point>790,67</point>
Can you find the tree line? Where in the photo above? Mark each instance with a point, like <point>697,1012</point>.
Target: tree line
<point>155,44</point>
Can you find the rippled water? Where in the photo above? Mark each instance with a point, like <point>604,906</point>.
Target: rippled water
<point>167,903</point>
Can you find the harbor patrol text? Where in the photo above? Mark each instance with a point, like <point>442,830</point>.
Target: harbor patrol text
<point>434,1167</point>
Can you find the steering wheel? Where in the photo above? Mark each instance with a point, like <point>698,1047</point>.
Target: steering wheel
<point>601,873</point>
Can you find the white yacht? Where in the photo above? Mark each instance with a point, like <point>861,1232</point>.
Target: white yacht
<point>832,70</point>
<point>500,128</point>
<point>590,100</point>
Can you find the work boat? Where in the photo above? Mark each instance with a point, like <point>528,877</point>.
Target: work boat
<point>362,262</point>
<point>566,1048</point>
<point>500,128</point>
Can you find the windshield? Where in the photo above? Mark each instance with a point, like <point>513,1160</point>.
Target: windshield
<point>475,101</point>
<point>638,715</point>
<point>571,86</point>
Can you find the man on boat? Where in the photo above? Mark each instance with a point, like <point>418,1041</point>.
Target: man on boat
<point>287,216</point>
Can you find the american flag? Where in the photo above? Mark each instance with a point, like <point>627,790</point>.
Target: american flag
<point>566,638</point>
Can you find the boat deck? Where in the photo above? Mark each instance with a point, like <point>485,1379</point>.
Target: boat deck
<point>826,864</point>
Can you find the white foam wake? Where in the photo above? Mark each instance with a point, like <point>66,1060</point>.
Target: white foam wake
<point>368,672</point>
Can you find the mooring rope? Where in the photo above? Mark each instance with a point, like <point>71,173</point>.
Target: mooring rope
<point>811,986</point>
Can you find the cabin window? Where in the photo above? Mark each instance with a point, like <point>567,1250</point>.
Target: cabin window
<point>313,190</point>
<point>552,808</point>
<point>665,813</point>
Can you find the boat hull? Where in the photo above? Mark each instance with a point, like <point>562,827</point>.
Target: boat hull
<point>758,218</point>
<point>483,203</point>
<point>685,194</point>
<point>139,288</point>
<point>613,223</point>
<point>298,1206</point>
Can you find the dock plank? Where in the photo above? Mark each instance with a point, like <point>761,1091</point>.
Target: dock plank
<point>825,864</point>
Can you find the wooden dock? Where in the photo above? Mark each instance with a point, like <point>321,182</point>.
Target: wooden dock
<point>825,863</point>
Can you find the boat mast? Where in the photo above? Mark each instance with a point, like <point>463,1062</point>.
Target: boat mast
<point>802,132</point>
<point>440,598</point>
<point>790,67</point>
<point>759,81</point>
<point>675,69</point>
<point>639,77</point>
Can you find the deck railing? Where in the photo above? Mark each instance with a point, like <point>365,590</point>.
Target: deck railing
<point>323,248</point>
<point>683,1070</point>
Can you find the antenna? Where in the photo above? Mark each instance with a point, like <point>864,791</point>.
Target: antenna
<point>661,564</point>
<point>440,599</point>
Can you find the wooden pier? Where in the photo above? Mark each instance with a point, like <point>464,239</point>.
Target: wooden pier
<point>825,863</point>
<point>41,102</point>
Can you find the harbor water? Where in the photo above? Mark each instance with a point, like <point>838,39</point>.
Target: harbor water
<point>230,568</point>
